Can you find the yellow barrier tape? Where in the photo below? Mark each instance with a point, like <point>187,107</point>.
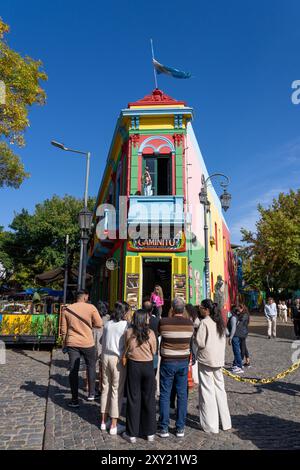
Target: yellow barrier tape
<point>267,380</point>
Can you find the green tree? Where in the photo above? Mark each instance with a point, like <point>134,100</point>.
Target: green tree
<point>37,242</point>
<point>272,254</point>
<point>20,79</point>
<point>6,263</point>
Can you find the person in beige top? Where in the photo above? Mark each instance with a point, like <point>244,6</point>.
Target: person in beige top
<point>211,341</point>
<point>77,323</point>
<point>140,347</point>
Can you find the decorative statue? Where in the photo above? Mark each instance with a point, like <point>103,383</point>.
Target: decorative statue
<point>219,295</point>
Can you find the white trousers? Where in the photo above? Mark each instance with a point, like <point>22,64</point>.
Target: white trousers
<point>212,399</point>
<point>271,326</point>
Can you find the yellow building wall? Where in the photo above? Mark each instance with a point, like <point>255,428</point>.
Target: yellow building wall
<point>216,257</point>
<point>158,122</point>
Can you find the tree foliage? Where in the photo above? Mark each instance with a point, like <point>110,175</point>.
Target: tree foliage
<point>21,77</point>
<point>272,254</point>
<point>36,243</point>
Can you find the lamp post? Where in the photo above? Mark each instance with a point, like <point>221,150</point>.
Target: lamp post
<point>225,199</point>
<point>66,269</point>
<point>85,217</point>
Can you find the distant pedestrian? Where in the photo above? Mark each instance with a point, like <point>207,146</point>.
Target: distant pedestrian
<point>211,342</point>
<point>141,347</point>
<point>271,316</point>
<point>282,311</point>
<point>296,317</point>
<point>234,340</point>
<point>78,321</point>
<point>113,370</point>
<point>176,333</point>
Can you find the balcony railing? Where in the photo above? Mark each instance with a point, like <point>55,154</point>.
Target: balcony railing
<point>156,210</point>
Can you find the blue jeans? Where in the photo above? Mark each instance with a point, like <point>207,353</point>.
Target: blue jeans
<point>170,372</point>
<point>236,347</point>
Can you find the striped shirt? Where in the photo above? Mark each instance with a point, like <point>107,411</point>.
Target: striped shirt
<point>176,333</point>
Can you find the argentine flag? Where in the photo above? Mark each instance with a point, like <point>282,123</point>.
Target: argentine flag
<point>170,71</point>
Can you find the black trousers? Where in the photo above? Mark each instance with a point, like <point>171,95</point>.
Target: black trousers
<point>89,355</point>
<point>297,327</point>
<point>141,407</point>
<point>244,350</point>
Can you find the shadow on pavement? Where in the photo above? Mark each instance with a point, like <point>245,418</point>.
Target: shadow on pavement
<point>24,353</point>
<point>267,432</point>
<point>285,331</point>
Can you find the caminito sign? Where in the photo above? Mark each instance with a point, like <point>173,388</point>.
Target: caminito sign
<point>162,244</point>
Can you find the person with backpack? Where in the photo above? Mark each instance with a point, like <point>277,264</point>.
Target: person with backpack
<point>77,323</point>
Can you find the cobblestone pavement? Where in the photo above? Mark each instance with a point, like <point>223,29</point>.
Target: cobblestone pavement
<point>263,416</point>
<point>23,394</point>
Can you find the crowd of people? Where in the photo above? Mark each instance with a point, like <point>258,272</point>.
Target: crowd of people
<point>273,311</point>
<point>141,352</point>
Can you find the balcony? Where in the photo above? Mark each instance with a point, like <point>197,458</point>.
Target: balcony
<point>156,210</point>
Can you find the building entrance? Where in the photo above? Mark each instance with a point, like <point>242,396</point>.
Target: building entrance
<point>158,271</point>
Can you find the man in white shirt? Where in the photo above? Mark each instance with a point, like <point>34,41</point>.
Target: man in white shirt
<point>271,316</point>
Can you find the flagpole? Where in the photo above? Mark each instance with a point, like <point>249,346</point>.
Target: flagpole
<point>155,74</point>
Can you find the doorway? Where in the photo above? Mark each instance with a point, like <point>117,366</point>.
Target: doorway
<point>158,271</point>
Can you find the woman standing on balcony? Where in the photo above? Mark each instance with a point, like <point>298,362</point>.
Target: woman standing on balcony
<point>147,183</point>
<point>157,299</point>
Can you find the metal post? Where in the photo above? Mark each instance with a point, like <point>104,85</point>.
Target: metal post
<point>80,262</point>
<point>88,156</point>
<point>66,270</point>
<point>206,258</point>
<point>85,242</point>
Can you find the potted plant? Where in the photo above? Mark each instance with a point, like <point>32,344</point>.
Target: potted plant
<point>49,331</point>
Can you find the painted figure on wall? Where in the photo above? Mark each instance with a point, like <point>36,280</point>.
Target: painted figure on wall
<point>219,295</point>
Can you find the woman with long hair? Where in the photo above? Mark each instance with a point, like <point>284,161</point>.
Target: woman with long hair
<point>113,371</point>
<point>141,346</point>
<point>157,299</point>
<point>211,341</point>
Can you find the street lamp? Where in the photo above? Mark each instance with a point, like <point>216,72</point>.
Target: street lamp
<point>225,199</point>
<point>84,216</point>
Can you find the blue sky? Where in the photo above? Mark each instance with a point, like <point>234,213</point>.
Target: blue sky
<point>243,56</point>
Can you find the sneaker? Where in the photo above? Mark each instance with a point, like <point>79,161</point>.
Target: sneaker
<point>180,433</point>
<point>73,404</point>
<point>235,369</point>
<point>104,426</point>
<point>151,438</point>
<point>130,439</point>
<point>91,398</point>
<point>117,430</point>
<point>163,433</point>
<point>239,371</point>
